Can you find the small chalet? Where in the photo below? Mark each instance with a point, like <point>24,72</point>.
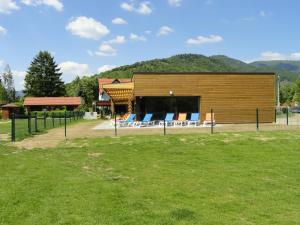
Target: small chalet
<point>7,110</point>
<point>105,102</point>
<point>49,103</point>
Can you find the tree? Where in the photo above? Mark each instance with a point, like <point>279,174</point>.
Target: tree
<point>287,92</point>
<point>43,78</point>
<point>8,84</point>
<point>3,94</point>
<point>86,88</point>
<point>297,90</point>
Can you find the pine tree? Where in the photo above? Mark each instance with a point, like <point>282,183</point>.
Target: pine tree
<point>43,78</point>
<point>8,84</point>
<point>3,94</point>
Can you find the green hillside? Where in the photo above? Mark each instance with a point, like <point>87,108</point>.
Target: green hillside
<point>199,63</point>
<point>292,66</point>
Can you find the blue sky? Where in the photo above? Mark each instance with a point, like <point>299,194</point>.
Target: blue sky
<point>95,35</point>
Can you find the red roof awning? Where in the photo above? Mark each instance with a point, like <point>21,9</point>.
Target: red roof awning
<point>52,101</point>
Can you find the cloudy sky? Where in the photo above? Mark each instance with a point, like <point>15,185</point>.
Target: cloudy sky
<point>91,36</point>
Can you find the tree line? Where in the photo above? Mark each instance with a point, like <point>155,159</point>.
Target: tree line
<point>44,79</point>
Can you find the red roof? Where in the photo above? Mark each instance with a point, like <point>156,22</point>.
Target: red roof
<point>103,81</point>
<point>52,101</point>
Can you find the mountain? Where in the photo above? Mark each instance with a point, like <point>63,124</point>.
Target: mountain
<point>292,66</point>
<point>200,63</point>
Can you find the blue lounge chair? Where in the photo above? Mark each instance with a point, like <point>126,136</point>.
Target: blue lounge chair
<point>194,119</point>
<point>168,120</point>
<point>129,122</point>
<point>146,121</point>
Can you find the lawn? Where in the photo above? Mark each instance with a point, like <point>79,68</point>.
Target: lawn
<point>246,178</point>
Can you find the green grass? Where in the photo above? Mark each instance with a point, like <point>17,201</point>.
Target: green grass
<point>22,131</point>
<point>247,178</point>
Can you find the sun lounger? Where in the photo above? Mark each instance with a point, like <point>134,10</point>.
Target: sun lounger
<point>181,121</point>
<point>129,122</point>
<point>209,119</point>
<point>194,120</point>
<point>146,121</point>
<point>168,120</point>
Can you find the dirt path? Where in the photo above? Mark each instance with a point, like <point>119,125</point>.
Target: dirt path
<point>55,136</point>
<point>85,130</point>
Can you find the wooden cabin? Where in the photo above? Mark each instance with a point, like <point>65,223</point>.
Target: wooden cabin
<point>234,97</point>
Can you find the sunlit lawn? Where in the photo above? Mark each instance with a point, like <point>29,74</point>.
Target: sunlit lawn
<point>247,178</point>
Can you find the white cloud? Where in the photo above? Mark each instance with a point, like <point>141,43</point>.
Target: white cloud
<point>263,13</point>
<point>136,37</point>
<point>87,28</point>
<point>105,68</point>
<point>266,56</point>
<point>7,6</point>
<point>1,63</point>
<point>118,40</point>
<point>2,30</point>
<point>18,73</point>
<point>201,40</point>
<point>72,69</point>
<point>106,50</point>
<point>119,21</point>
<point>295,56</point>
<point>90,52</point>
<point>127,6</point>
<point>175,3</point>
<point>164,30</point>
<point>143,8</point>
<point>148,31</point>
<point>56,4</point>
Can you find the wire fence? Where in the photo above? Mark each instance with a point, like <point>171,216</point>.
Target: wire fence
<point>215,120</point>
<point>210,121</point>
<point>23,126</point>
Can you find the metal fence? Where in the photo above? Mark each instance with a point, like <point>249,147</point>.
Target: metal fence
<point>26,125</point>
<point>233,119</point>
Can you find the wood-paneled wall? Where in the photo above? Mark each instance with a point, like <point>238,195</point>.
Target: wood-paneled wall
<point>234,97</point>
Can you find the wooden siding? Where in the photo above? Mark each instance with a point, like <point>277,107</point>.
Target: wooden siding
<point>233,97</point>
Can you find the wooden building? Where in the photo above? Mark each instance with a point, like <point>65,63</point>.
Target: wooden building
<point>105,102</point>
<point>234,97</point>
<point>7,110</point>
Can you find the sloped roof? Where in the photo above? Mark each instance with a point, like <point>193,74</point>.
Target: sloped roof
<point>52,101</point>
<point>10,105</point>
<point>103,81</point>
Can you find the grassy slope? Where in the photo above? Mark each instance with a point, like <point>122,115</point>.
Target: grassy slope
<point>245,178</point>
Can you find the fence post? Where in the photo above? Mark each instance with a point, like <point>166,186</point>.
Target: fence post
<point>52,115</point>
<point>13,127</point>
<point>116,134</point>
<point>275,115</point>
<point>45,122</point>
<point>65,124</point>
<point>211,121</point>
<point>29,123</point>
<point>257,120</point>
<point>36,123</point>
<point>165,131</point>
<point>287,116</point>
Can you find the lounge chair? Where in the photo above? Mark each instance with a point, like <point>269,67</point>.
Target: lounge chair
<point>168,120</point>
<point>194,120</point>
<point>129,122</point>
<point>146,121</point>
<point>181,121</point>
<point>209,119</point>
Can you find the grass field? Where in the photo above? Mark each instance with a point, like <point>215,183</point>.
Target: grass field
<point>246,178</point>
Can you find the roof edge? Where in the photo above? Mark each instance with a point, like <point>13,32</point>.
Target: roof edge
<point>205,73</point>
